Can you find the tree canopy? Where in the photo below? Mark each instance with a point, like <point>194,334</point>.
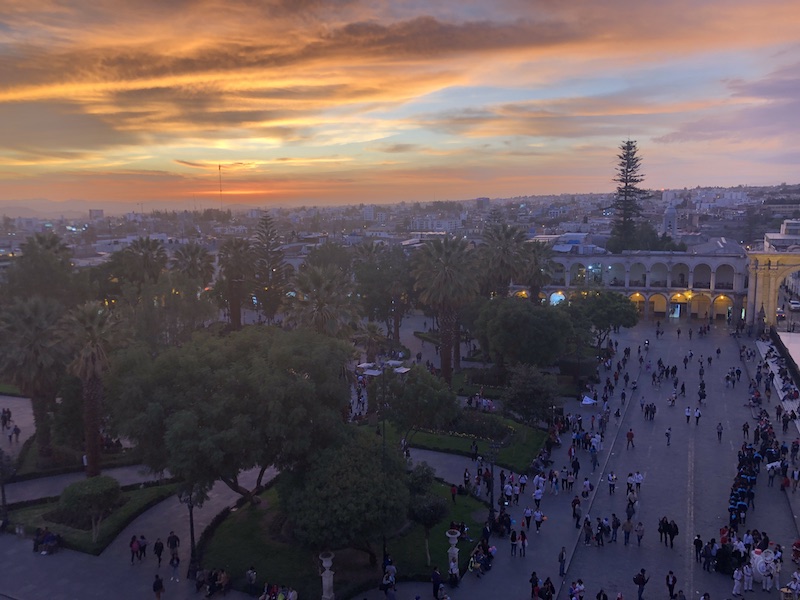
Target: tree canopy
<point>530,394</point>
<point>219,405</point>
<point>603,311</point>
<point>349,494</point>
<point>415,400</point>
<point>514,330</point>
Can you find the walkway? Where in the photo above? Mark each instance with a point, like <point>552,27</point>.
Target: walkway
<point>687,481</point>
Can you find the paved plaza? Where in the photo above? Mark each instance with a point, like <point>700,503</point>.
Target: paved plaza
<point>688,481</point>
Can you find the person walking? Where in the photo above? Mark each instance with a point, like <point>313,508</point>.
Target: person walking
<point>627,527</point>
<point>671,581</point>
<point>719,432</point>
<point>698,548</point>
<point>629,437</point>
<point>523,542</point>
<point>672,532</point>
<point>142,547</point>
<point>175,563</point>
<point>514,542</point>
<point>737,582</point>
<point>697,416</point>
<point>158,549</point>
<point>538,518</point>
<point>173,542</point>
<point>562,561</point>
<point>747,575</point>
<point>134,546</point>
<point>668,434</point>
<point>158,587</point>
<point>639,531</point>
<point>641,580</point>
<point>688,413</point>
<point>436,580</point>
<point>528,514</point>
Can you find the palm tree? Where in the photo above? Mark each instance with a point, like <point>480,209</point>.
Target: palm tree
<point>144,260</point>
<point>370,337</point>
<point>538,268</point>
<point>445,280</point>
<point>194,261</point>
<point>32,357</point>
<point>323,301</point>
<point>92,330</point>
<point>237,266</point>
<point>47,242</point>
<point>503,256</point>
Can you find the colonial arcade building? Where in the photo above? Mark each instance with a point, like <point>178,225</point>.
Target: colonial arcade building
<point>710,281</point>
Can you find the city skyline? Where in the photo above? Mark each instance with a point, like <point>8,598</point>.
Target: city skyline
<point>339,102</point>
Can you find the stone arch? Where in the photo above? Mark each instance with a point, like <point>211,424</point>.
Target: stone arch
<point>700,305</point>
<point>722,307</point>
<point>595,273</point>
<point>615,274</point>
<point>658,305</point>
<point>659,275</point>
<point>557,297</point>
<point>558,274</point>
<point>723,277</point>
<point>679,305</point>
<point>679,275</point>
<point>701,277</point>
<point>577,274</point>
<point>639,301</point>
<point>638,275</point>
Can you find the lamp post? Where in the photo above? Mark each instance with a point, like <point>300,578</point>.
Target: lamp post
<point>493,448</point>
<point>6,472</point>
<point>192,496</point>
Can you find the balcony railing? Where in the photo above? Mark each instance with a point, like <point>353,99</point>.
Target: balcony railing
<point>722,285</point>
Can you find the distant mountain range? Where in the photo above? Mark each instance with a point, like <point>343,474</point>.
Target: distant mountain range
<point>40,208</point>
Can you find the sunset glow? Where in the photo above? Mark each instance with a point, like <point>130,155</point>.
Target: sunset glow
<point>345,101</point>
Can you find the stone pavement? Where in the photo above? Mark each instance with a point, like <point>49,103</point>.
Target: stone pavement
<point>22,416</point>
<point>688,482</point>
<point>70,575</point>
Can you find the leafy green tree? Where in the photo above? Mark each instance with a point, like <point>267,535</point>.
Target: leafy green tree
<point>33,358</point>
<point>530,394</point>
<point>627,204</point>
<point>415,400</point>
<point>195,262</point>
<point>348,496</point>
<point>445,279</point>
<point>385,285</point>
<point>428,510</point>
<point>603,311</point>
<point>92,330</point>
<point>219,405</point>
<point>237,269</point>
<point>502,258</point>
<point>332,255</point>
<point>95,497</point>
<point>513,330</point>
<point>323,301</point>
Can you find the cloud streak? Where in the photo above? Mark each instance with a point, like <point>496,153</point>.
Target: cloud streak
<point>321,90</point>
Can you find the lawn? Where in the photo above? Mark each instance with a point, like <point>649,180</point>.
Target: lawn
<point>137,501</point>
<point>255,536</point>
<point>523,445</point>
<point>6,389</point>
<point>66,460</point>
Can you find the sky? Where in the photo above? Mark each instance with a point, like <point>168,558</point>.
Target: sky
<point>292,102</point>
